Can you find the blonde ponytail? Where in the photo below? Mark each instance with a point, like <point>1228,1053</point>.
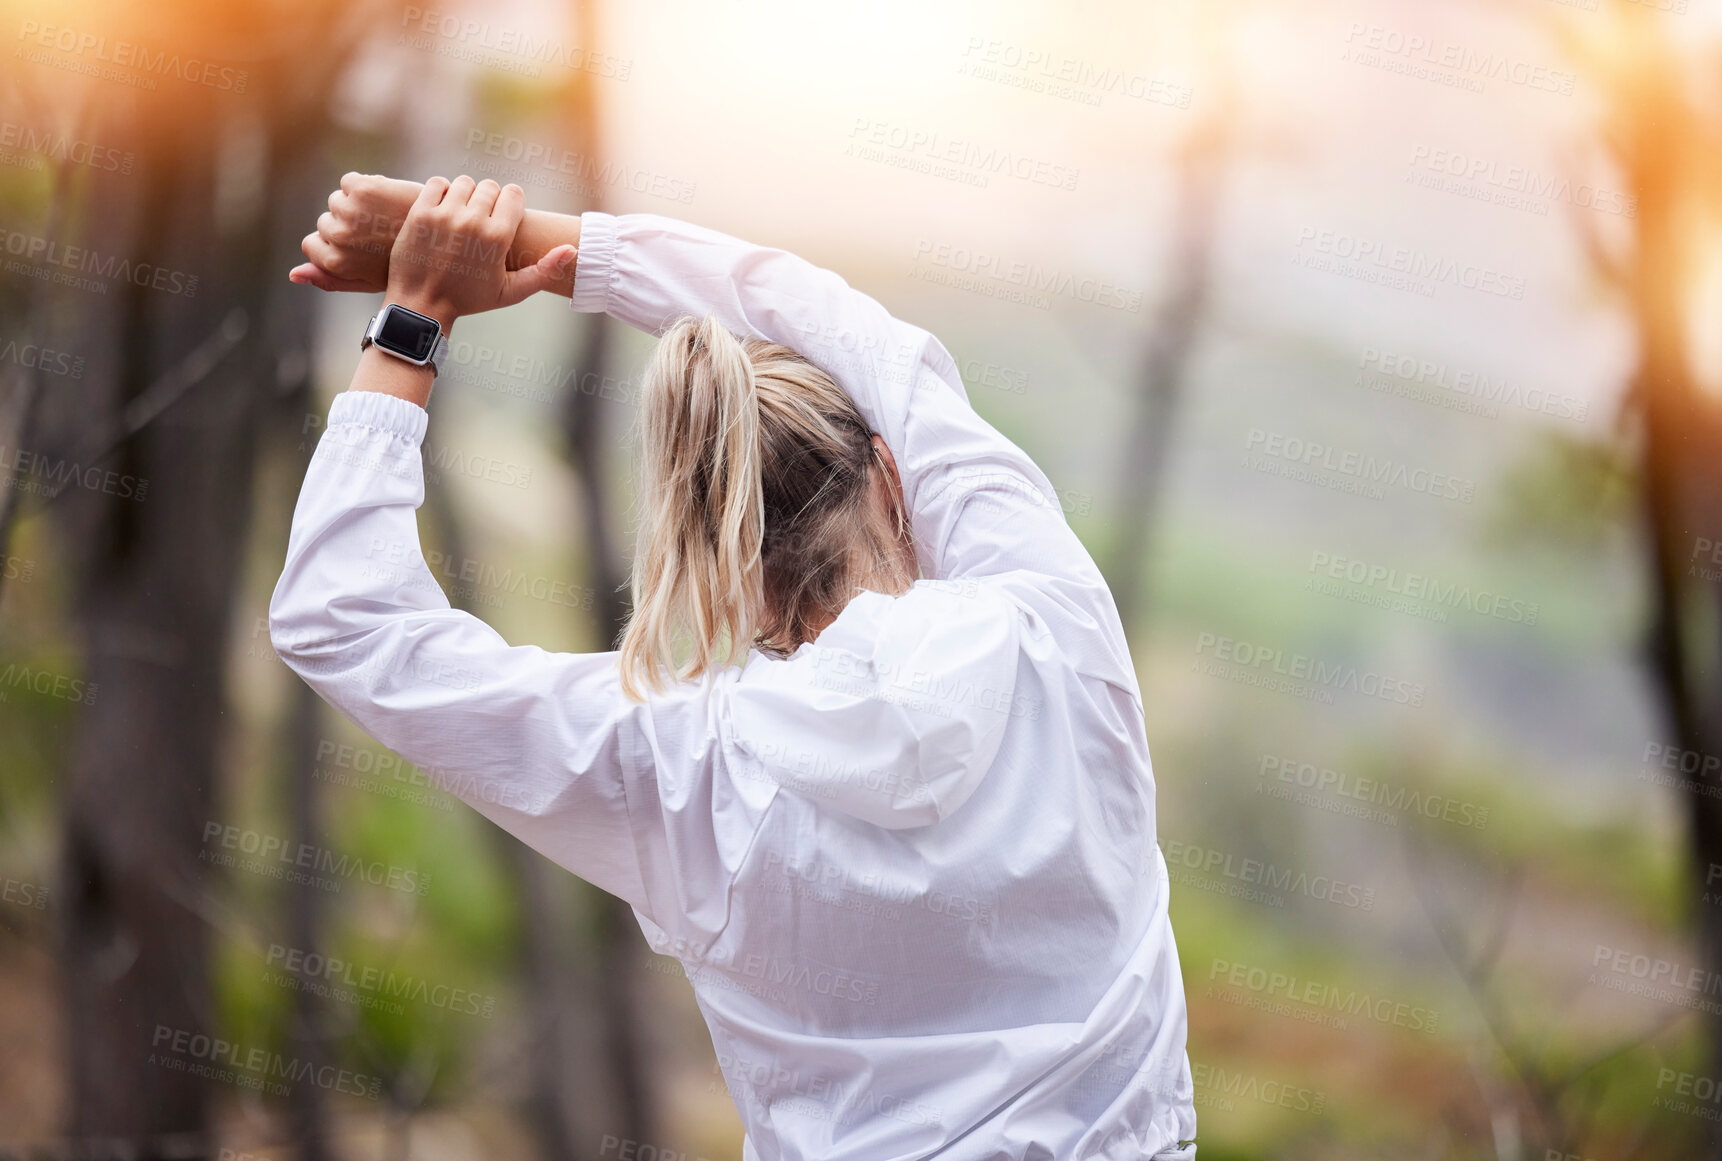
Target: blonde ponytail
<point>697,568</point>
<point>754,522</point>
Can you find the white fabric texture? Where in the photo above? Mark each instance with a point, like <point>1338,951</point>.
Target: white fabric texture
<point>910,870</point>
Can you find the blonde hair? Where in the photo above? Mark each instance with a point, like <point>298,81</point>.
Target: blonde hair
<point>754,519</point>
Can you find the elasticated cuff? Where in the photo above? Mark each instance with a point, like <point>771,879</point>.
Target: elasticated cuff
<point>381,412</point>
<point>596,262</point>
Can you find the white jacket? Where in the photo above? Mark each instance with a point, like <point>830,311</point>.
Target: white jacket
<point>911,870</point>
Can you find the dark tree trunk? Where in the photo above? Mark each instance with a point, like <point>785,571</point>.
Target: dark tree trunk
<point>1153,411</point>
<point>306,1111</point>
<point>617,941</point>
<point>546,973</point>
<point>542,963</point>
<point>616,934</point>
<point>585,430</point>
<point>1148,433</point>
<point>158,574</point>
<point>1659,141</point>
<point>154,612</point>
<point>1678,471</point>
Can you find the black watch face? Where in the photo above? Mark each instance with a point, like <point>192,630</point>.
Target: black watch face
<point>409,334</point>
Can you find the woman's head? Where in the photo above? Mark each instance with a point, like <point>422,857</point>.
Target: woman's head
<point>765,504</point>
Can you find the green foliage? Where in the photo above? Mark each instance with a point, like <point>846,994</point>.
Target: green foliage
<point>1568,494</point>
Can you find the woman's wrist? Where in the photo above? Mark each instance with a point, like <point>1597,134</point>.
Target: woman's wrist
<point>380,371</point>
<point>426,305</point>
<point>541,231</point>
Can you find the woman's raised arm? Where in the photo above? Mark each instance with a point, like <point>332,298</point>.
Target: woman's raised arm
<point>967,485</point>
<point>349,249</point>
<point>544,744</point>
<point>979,505</point>
<point>540,743</point>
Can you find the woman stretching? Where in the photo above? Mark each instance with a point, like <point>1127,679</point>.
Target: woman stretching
<point>870,760</point>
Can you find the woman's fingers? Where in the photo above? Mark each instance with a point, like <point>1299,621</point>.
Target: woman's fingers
<point>510,208</point>
<point>311,274</point>
<point>459,191</point>
<point>484,196</point>
<point>332,262</point>
<point>452,254</point>
<point>554,267</point>
<point>431,196</point>
<point>432,192</point>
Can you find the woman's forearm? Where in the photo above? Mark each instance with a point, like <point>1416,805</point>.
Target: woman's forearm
<point>645,270</point>
<point>446,259</point>
<point>540,231</point>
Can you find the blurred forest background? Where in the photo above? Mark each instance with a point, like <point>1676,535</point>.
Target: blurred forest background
<point>1373,346</point>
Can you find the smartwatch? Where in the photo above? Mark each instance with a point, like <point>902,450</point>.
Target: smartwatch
<point>407,334</point>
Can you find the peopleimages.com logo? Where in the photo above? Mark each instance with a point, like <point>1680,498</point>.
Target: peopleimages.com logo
<point>256,1068</point>
<point>48,145</point>
<point>1373,259</point>
<point>1300,673</point>
<point>94,51</point>
<point>1257,880</point>
<point>1408,591</point>
<point>284,858</point>
<point>366,984</point>
<point>52,257</point>
<point>1356,468</point>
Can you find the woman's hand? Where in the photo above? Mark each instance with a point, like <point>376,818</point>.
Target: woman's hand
<point>350,250</point>
<point>450,257</point>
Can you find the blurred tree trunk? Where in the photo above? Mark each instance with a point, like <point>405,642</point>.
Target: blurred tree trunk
<point>1666,149</point>
<point>546,968</point>
<point>24,387</point>
<point>1152,412</point>
<point>543,964</point>
<point>585,437</point>
<point>295,182</point>
<point>1148,430</point>
<point>618,943</point>
<point>158,573</point>
<point>306,1111</point>
<point>153,607</point>
<point>294,186</point>
<point>1680,474</point>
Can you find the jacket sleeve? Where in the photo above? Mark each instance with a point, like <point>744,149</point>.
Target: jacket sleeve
<point>544,744</point>
<point>979,505</point>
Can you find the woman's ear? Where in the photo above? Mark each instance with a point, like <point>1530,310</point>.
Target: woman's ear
<point>883,451</point>
<point>893,484</point>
